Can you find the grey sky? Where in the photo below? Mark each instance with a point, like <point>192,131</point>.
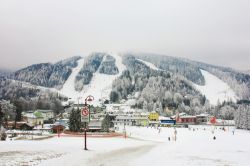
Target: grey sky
<point>212,31</point>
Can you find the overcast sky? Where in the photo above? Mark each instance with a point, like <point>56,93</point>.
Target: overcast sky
<point>212,31</point>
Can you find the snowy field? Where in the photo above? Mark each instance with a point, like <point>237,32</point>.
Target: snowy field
<point>146,146</point>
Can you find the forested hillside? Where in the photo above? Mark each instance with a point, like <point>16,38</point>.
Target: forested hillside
<point>91,65</point>
<point>47,74</point>
<point>158,89</point>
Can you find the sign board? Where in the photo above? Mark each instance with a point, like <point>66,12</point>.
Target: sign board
<point>85,114</point>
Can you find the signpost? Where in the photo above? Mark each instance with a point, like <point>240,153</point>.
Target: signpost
<point>85,117</point>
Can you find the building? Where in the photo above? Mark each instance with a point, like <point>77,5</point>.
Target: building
<point>35,118</point>
<point>185,119</point>
<point>122,120</point>
<point>167,121</point>
<point>136,119</point>
<point>19,125</point>
<point>95,125</point>
<point>203,118</point>
<point>47,114</point>
<point>153,116</point>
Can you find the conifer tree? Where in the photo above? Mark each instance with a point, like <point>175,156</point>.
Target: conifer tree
<point>75,120</point>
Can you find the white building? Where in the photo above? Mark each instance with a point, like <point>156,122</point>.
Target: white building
<point>47,114</point>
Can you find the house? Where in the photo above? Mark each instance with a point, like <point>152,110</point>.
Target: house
<point>19,125</point>
<point>35,118</point>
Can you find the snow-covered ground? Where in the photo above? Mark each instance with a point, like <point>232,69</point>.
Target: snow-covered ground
<point>147,146</point>
<point>150,65</point>
<point>215,89</point>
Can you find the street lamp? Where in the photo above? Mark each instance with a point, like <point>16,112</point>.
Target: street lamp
<point>87,99</point>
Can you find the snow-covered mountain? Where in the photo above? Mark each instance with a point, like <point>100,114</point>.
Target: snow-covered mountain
<point>215,90</point>
<point>159,81</point>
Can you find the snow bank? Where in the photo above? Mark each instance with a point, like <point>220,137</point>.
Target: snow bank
<point>215,89</point>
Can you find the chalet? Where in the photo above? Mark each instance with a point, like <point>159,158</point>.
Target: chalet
<point>19,125</point>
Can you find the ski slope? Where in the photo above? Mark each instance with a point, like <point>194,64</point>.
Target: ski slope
<point>215,89</point>
<point>150,65</point>
<point>69,86</point>
<point>101,84</point>
<point>99,87</point>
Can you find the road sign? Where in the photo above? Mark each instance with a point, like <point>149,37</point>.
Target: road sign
<point>85,114</point>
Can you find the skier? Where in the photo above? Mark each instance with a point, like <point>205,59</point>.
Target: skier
<point>175,134</point>
<point>159,130</point>
<point>214,138</point>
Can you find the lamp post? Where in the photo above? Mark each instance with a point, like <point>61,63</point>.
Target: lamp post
<point>87,99</point>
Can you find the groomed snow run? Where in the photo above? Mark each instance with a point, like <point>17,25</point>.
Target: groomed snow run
<point>150,65</point>
<point>99,87</point>
<point>69,86</point>
<point>101,84</point>
<point>215,89</point>
<point>145,146</point>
